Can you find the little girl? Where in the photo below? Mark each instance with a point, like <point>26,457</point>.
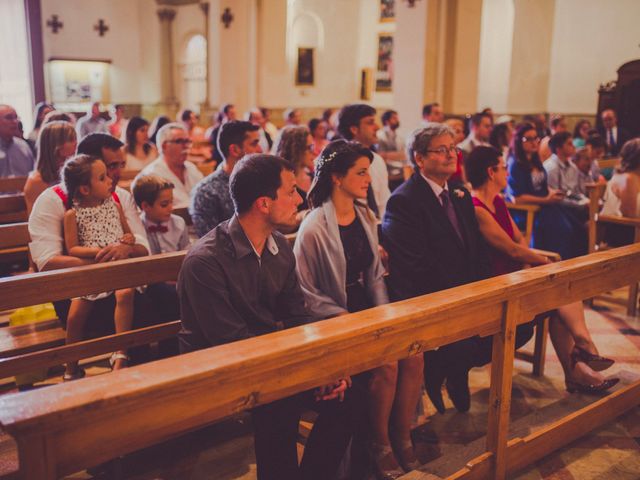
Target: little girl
<point>93,221</point>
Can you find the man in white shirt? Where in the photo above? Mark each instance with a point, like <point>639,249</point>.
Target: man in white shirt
<point>358,122</point>
<point>92,122</point>
<point>432,113</point>
<point>173,143</point>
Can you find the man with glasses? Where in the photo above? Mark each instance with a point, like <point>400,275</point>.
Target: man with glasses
<point>211,201</point>
<point>16,158</point>
<point>432,236</point>
<point>173,143</point>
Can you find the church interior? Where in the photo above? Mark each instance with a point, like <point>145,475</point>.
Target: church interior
<point>544,66</point>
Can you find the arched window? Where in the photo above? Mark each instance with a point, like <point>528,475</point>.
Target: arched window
<point>194,72</point>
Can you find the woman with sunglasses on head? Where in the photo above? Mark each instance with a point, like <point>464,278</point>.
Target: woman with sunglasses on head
<point>508,252</point>
<point>555,228</point>
<point>341,272</point>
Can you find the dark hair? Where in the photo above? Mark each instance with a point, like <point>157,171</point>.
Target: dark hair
<point>336,159</point>
<point>350,116</point>
<point>556,120</point>
<point>314,123</point>
<point>157,123</point>
<point>57,115</point>
<point>595,140</point>
<point>135,124</point>
<point>478,162</point>
<point>630,156</point>
<point>93,144</point>
<point>386,116</point>
<point>185,115</point>
<point>557,140</point>
<point>256,176</point>
<point>428,108</point>
<point>476,118</point>
<point>576,129</point>
<point>518,151</point>
<point>145,188</point>
<point>37,114</point>
<point>500,136</point>
<point>326,114</point>
<point>76,173</point>
<point>233,133</point>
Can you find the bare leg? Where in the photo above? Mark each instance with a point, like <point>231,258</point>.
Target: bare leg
<point>563,343</point>
<point>123,318</point>
<point>382,390</point>
<point>409,386</point>
<point>572,316</point>
<point>76,319</point>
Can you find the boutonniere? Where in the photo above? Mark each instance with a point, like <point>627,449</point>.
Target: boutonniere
<point>458,193</point>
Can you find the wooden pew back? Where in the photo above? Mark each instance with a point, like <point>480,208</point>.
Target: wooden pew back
<point>12,184</point>
<point>67,428</point>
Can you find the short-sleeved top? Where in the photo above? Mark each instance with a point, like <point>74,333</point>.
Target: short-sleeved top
<point>211,202</point>
<point>181,191</point>
<point>500,262</point>
<point>99,226</point>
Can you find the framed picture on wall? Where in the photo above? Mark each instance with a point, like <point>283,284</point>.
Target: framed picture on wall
<point>387,10</point>
<point>384,66</point>
<point>304,68</point>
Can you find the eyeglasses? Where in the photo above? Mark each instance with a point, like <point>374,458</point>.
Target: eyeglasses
<point>530,139</point>
<point>181,141</point>
<point>445,150</point>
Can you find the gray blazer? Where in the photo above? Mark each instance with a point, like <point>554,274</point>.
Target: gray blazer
<point>322,267</point>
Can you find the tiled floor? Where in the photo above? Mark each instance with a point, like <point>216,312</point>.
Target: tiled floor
<point>444,442</point>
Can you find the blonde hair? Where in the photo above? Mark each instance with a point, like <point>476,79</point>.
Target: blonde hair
<point>146,188</point>
<point>51,137</point>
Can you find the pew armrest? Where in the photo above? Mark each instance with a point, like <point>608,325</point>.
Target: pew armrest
<point>614,219</point>
<point>553,256</point>
<point>523,207</point>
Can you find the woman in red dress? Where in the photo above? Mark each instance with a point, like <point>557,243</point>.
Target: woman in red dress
<point>487,171</point>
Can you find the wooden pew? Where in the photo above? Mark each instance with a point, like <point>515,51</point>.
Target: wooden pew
<point>530,211</point>
<point>42,345</point>
<point>14,242</point>
<point>12,184</point>
<point>70,427</point>
<point>598,223</point>
<point>13,208</point>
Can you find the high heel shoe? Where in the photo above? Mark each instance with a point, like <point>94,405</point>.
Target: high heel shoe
<point>573,387</point>
<point>381,454</point>
<point>595,362</point>
<point>407,457</point>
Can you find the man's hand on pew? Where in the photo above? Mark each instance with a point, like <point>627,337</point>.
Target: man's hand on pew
<point>333,391</point>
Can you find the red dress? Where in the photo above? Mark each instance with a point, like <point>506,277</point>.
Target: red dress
<point>501,263</point>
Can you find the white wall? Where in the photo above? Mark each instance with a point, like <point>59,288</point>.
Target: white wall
<point>591,40</point>
<point>495,54</point>
<point>121,44</point>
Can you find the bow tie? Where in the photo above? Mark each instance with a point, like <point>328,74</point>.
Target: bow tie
<point>157,229</point>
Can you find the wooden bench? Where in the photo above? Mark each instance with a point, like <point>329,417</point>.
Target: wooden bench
<point>14,242</point>
<point>530,211</point>
<point>13,208</point>
<point>12,184</point>
<point>66,428</point>
<point>42,344</point>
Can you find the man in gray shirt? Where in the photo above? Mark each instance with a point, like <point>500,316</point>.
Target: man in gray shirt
<point>239,281</point>
<point>92,122</point>
<point>562,173</point>
<point>16,158</point>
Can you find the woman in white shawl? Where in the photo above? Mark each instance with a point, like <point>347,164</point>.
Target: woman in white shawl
<point>341,272</point>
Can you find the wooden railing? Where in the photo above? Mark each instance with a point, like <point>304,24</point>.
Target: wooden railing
<point>70,427</point>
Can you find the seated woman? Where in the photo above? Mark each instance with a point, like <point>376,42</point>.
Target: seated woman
<point>56,142</point>
<point>556,227</point>
<point>581,133</point>
<point>341,272</point>
<point>139,150</point>
<point>508,252</point>
<point>622,197</point>
<point>318,129</point>
<point>295,144</point>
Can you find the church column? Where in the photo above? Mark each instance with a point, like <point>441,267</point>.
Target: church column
<point>206,105</point>
<point>167,81</point>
